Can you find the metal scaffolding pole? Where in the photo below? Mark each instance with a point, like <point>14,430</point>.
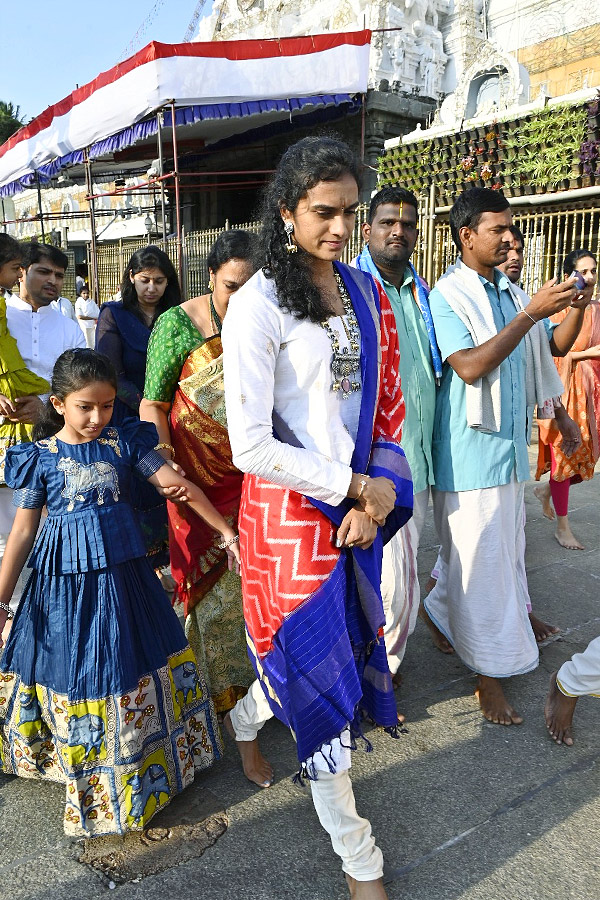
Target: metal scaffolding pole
<point>430,263</point>
<point>93,245</point>
<point>160,122</point>
<point>177,198</point>
<point>41,208</point>
<point>363,111</point>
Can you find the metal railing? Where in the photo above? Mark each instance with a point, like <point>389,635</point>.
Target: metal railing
<point>549,235</point>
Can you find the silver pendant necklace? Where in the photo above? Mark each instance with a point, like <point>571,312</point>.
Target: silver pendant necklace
<point>345,362</point>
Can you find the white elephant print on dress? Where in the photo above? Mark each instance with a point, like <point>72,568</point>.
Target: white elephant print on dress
<point>81,479</point>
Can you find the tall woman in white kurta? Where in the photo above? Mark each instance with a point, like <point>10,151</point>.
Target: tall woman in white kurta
<point>303,388</point>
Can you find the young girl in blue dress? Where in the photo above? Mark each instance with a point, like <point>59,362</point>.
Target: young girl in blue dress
<point>99,689</point>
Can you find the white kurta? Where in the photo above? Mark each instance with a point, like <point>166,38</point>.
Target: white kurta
<point>41,336</point>
<point>64,306</point>
<point>279,368</point>
<point>581,674</point>
<point>294,378</point>
<point>274,362</point>
<point>479,602</point>
<point>90,310</point>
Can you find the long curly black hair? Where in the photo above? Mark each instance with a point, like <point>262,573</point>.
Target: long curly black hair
<point>302,166</point>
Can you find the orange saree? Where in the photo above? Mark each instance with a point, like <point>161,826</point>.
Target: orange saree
<point>211,594</point>
<point>581,399</point>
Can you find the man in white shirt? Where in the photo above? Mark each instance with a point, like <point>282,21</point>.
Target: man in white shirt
<point>64,307</point>
<point>42,334</point>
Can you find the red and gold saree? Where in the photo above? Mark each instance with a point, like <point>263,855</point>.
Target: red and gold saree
<point>211,594</point>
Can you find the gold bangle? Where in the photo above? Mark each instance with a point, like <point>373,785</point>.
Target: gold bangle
<point>165,446</point>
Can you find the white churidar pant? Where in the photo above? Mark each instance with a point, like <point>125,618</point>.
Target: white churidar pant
<point>332,794</point>
<point>400,590</point>
<point>480,600</point>
<point>581,674</point>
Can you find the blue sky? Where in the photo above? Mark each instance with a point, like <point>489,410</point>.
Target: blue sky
<point>47,49</point>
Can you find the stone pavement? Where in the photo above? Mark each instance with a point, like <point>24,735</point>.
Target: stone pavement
<point>461,808</point>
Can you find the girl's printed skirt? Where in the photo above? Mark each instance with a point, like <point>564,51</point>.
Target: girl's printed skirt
<point>99,690</point>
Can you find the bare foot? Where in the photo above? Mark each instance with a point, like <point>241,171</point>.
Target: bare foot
<point>494,705</point>
<point>542,492</point>
<point>166,580</point>
<point>431,583</point>
<point>439,640</point>
<point>366,890</point>
<point>542,630</point>
<point>558,713</point>
<point>256,768</point>
<point>565,536</point>
<point>396,682</point>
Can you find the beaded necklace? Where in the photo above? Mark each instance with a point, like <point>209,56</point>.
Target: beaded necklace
<point>216,319</point>
<point>345,362</point>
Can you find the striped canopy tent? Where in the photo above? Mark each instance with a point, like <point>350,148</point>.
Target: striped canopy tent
<point>214,90</point>
<point>207,95</point>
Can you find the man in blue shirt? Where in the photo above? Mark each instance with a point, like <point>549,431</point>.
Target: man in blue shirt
<point>513,268</point>
<point>390,233</point>
<point>480,437</point>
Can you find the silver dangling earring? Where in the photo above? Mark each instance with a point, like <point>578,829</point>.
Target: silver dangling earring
<point>290,246</point>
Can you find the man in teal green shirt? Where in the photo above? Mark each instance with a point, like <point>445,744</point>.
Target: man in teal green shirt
<point>390,234</point>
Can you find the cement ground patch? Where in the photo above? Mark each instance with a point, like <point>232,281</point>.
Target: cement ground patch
<point>137,855</point>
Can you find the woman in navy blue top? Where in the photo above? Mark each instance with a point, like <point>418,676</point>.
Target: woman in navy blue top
<point>149,287</point>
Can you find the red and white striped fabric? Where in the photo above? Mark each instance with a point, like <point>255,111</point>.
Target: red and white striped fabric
<point>191,73</point>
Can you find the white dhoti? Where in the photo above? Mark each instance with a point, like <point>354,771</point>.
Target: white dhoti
<point>581,674</point>
<point>400,583</point>
<point>332,793</point>
<point>521,572</point>
<point>480,600</point>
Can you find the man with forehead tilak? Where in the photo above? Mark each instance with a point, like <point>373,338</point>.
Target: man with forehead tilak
<point>497,347</point>
<point>391,234</point>
<point>513,269</point>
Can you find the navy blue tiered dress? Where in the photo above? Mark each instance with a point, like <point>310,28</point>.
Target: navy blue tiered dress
<point>98,686</point>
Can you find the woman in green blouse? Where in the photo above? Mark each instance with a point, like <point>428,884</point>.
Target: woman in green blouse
<point>184,397</point>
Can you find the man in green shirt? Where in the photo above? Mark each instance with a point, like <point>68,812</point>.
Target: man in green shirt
<point>390,234</point>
